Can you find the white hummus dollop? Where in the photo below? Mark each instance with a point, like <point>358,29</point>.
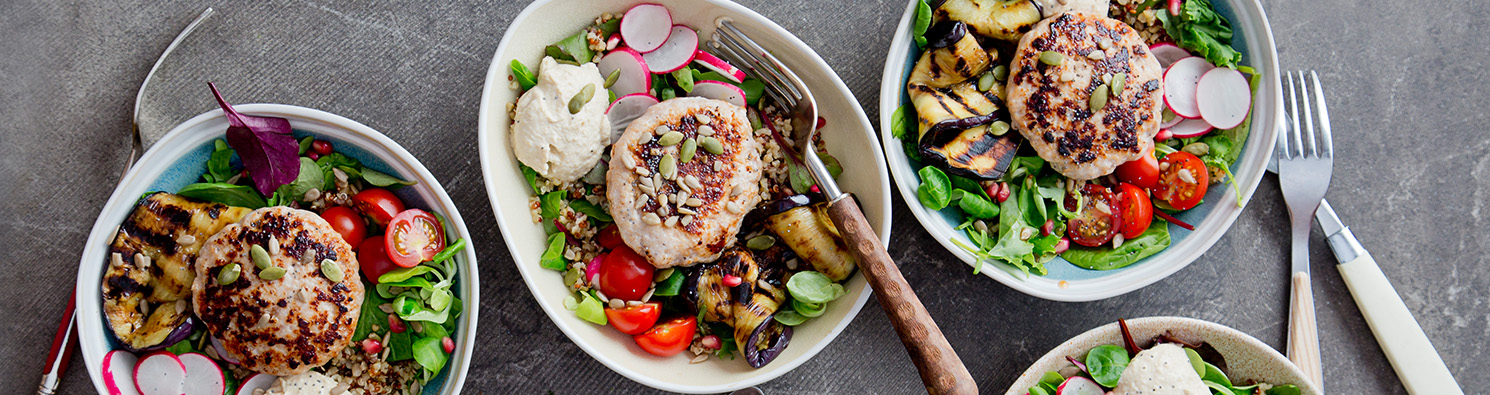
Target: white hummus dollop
<point>308,383</point>
<point>546,137</point>
<point>1161,370</point>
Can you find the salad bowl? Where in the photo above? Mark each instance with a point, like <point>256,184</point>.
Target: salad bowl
<point>180,157</point>
<point>1068,282</point>
<point>848,131</point>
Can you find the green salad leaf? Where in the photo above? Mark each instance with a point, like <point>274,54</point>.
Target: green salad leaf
<point>220,164</point>
<point>921,23</point>
<point>429,353</point>
<point>229,194</point>
<point>901,123</point>
<point>1106,363</point>
<point>532,177</point>
<point>1153,240</point>
<point>378,178</point>
<point>590,209</point>
<point>812,287</point>
<point>935,191</point>
<point>523,75</point>
<point>1201,30</point>
<point>551,204</point>
<point>553,257</point>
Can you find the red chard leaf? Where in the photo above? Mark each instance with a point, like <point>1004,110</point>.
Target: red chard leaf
<point>269,152</point>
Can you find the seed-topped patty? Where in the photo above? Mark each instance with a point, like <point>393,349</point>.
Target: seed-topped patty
<point>681,179</point>
<point>280,290</point>
<point>1086,93</point>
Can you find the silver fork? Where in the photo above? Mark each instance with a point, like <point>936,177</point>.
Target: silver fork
<point>941,370</point>
<point>1304,165</point>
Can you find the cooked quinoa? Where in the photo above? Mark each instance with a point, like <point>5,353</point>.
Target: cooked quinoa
<point>1147,25</point>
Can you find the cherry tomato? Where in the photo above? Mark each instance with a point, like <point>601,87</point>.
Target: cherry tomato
<point>414,236</point>
<point>372,257</point>
<point>633,320</point>
<point>610,237</point>
<point>1142,172</point>
<point>1183,180</point>
<point>378,204</point>
<point>625,275</point>
<point>1093,226</point>
<point>1138,211</point>
<point>668,338</point>
<point>347,223</point>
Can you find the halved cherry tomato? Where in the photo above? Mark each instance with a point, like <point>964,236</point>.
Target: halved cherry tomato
<point>1138,211</point>
<point>668,338</point>
<point>610,237</point>
<point>414,236</point>
<point>633,320</point>
<point>372,257</point>
<point>625,275</point>
<point>346,222</point>
<point>1099,218</point>
<point>1142,172</point>
<point>378,204</point>
<point>1182,180</point>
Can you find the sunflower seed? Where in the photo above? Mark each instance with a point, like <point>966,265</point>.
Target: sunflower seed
<point>228,274</point>
<point>661,130</point>
<point>648,296</point>
<point>634,303</point>
<point>628,161</point>
<point>642,171</point>
<point>116,259</point>
<point>662,199</point>
<point>617,304</point>
<point>186,240</point>
<point>263,321</point>
<point>1105,44</point>
<point>737,190</point>
<point>671,221</point>
<point>142,260</point>
<point>647,189</point>
<point>331,270</point>
<point>259,256</point>
<point>693,202</point>
<point>1096,55</point>
<point>718,166</point>
<point>699,359</point>
<point>273,246</point>
<point>651,219</point>
<point>308,257</point>
<point>706,130</point>
<point>693,182</point>
<point>641,202</point>
<point>662,210</point>
<point>181,306</point>
<point>703,119</point>
<point>685,210</point>
<point>687,220</point>
<point>670,139</point>
<point>733,207</point>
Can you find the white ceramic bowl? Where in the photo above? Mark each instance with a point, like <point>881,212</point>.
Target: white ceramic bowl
<point>180,157</point>
<point>848,134</point>
<point>1246,357</point>
<point>1067,282</point>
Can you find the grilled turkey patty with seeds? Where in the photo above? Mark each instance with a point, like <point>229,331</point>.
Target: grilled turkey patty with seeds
<point>728,183</point>
<point>1051,104</point>
<point>288,325</point>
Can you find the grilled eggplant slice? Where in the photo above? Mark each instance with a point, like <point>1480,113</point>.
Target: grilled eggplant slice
<point>1001,19</point>
<point>708,291</point>
<point>959,61</point>
<point>757,333</point>
<point>150,264</point>
<point>811,234</point>
<point>954,131</point>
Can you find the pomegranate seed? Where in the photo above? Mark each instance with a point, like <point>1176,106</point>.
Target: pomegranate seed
<point>322,147</point>
<point>1164,134</point>
<point>1062,246</point>
<point>821,122</point>
<point>448,344</point>
<point>396,325</point>
<point>371,346</point>
<point>243,173</point>
<point>1003,192</point>
<point>1048,227</point>
<point>312,155</point>
<point>814,189</point>
<point>711,342</point>
<point>730,281</point>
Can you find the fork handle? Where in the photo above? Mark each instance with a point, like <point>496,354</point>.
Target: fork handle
<point>1417,363</point>
<point>1303,334</point>
<point>941,370</point>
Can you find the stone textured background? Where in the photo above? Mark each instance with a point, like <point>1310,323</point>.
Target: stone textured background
<point>1406,87</point>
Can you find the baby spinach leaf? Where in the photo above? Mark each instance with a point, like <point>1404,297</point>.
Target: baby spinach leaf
<point>229,194</point>
<point>402,344</point>
<point>220,165</point>
<point>922,22</point>
<point>532,177</point>
<point>430,353</point>
<point>684,77</point>
<point>590,209</point>
<point>935,191</point>
<point>811,287</point>
<point>809,310</point>
<point>370,314</point>
<point>789,318</point>
<point>551,204</point>
<point>336,161</point>
<point>1153,240</point>
<point>609,27</point>
<point>310,178</point>
<point>553,257</point>
<point>403,273</point>
<point>524,76</point>
<point>264,144</point>
<point>1288,389</point>
<point>378,178</point>
<point>976,206</point>
<point>591,310</point>
<point>1106,363</point>
<point>834,168</point>
<point>305,143</point>
<point>575,48</point>
<point>967,184</point>
<point>670,285</point>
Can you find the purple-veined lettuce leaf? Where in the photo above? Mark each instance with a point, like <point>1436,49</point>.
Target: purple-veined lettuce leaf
<point>269,153</point>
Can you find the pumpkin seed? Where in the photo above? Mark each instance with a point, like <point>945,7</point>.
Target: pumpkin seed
<point>272,273</point>
<point>663,274</point>
<point>668,164</point>
<point>578,101</point>
<point>229,274</point>
<point>985,82</point>
<point>685,153</point>
<point>1052,58</point>
<point>331,270</point>
<point>611,79</point>
<point>669,139</point>
<point>259,255</point>
<point>1099,98</point>
<point>1001,72</point>
<point>761,242</point>
<point>712,145</point>
<point>1118,82</point>
<point>1197,148</point>
<point>998,128</point>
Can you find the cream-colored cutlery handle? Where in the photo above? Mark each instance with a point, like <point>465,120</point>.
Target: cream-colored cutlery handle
<point>1303,332</point>
<point>1417,363</point>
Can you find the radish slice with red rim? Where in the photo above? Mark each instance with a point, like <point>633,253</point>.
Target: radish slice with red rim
<point>203,376</point>
<point>675,53</point>
<point>626,109</point>
<point>255,382</point>
<point>1190,128</point>
<point>712,62</point>
<point>1168,53</point>
<point>634,77</point>
<point>1180,81</point>
<point>719,91</point>
<point>1173,119</point>
<point>1223,97</point>
<point>1077,385</point>
<point>646,26</point>
<point>160,373</point>
<point>119,372</point>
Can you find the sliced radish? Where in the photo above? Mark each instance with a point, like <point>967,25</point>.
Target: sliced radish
<point>1190,128</point>
<point>119,372</point>
<point>255,382</point>
<point>634,77</point>
<point>719,91</point>
<point>646,26</point>
<point>1077,385</point>
<point>1180,80</point>
<point>1168,53</point>
<point>1169,118</point>
<point>160,373</point>
<point>1223,97</point>
<point>719,65</point>
<point>675,53</point>
<point>203,376</point>
<point>626,109</point>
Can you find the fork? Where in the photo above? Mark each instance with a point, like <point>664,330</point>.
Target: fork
<point>941,370</point>
<point>1304,168</point>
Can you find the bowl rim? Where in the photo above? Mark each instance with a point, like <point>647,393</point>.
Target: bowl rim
<point>1208,231</point>
<point>1242,337</point>
<point>485,126</point>
<point>91,333</point>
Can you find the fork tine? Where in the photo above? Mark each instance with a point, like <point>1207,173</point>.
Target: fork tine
<point>1291,146</point>
<point>1324,117</point>
<point>1313,148</point>
<point>733,55</point>
<point>769,66</point>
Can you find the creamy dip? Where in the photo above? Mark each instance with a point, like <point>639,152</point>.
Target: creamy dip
<point>1160,370</point>
<point>559,145</point>
<point>308,383</point>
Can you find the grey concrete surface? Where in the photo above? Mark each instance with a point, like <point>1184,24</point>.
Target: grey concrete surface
<point>1406,86</point>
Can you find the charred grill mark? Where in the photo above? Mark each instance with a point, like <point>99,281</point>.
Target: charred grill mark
<point>119,286</point>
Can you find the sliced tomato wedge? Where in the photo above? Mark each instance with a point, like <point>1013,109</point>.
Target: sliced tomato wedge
<point>668,338</point>
<point>633,320</point>
<point>1142,172</point>
<point>1182,180</point>
<point>1099,219</point>
<point>1138,210</point>
<point>414,236</point>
